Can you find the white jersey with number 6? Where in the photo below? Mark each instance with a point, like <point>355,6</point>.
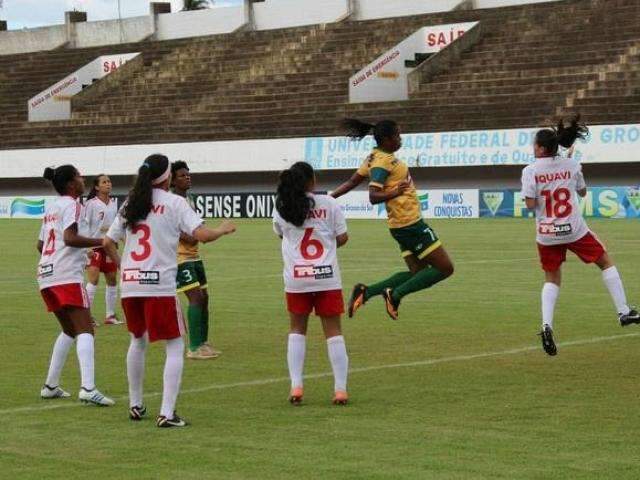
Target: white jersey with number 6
<point>309,251</point>
<point>99,216</point>
<point>149,262</point>
<point>554,183</point>
<point>59,263</point>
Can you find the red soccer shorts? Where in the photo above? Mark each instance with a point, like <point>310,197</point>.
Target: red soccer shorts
<point>161,317</point>
<point>327,303</point>
<point>100,260</point>
<point>67,295</point>
<point>588,249</point>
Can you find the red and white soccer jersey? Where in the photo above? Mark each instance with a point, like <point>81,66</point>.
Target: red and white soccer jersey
<point>309,252</point>
<point>554,183</point>
<point>99,216</point>
<point>60,264</point>
<point>149,260</point>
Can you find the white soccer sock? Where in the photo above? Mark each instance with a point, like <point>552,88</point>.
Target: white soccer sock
<point>612,280</point>
<point>135,369</point>
<point>58,358</point>
<point>110,296</point>
<point>550,292</point>
<point>84,349</point>
<point>91,292</point>
<point>339,361</point>
<point>172,376</point>
<point>295,358</point>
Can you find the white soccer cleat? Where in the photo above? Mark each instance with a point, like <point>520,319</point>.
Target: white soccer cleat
<point>112,320</point>
<point>94,397</point>
<point>48,392</point>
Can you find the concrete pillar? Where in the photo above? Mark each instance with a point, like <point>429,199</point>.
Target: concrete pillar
<point>3,25</point>
<point>156,8</point>
<point>70,20</point>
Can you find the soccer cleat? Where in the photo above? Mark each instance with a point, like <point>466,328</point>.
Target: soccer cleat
<point>211,349</point>
<point>48,392</point>
<point>137,413</point>
<point>632,317</point>
<point>357,298</point>
<point>390,304</point>
<point>201,353</point>
<point>549,346</point>
<point>176,421</point>
<point>94,397</point>
<point>340,398</point>
<point>295,397</point>
<point>112,320</point>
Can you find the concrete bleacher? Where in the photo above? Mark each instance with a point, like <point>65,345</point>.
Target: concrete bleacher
<point>532,63</point>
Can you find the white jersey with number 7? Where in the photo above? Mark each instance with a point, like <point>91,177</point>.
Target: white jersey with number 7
<point>309,252</point>
<point>554,182</point>
<point>149,258</point>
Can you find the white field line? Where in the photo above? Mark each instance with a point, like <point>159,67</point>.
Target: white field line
<point>268,381</point>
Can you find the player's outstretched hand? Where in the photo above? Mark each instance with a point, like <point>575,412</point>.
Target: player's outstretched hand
<point>227,227</point>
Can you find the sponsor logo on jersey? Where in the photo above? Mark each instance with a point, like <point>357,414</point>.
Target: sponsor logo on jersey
<point>45,270</point>
<point>319,272</point>
<point>143,277</point>
<point>553,177</point>
<point>557,230</point>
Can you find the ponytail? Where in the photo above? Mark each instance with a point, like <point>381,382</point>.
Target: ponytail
<point>60,177</point>
<point>139,201</point>
<point>357,129</point>
<point>292,202</point>
<point>551,138</point>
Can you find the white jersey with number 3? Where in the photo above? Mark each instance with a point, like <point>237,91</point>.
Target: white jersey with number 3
<point>99,216</point>
<point>60,264</point>
<point>309,252</point>
<point>554,183</point>
<point>149,263</point>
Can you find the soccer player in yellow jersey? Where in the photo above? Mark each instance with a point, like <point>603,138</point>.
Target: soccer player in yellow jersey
<point>192,279</point>
<point>390,182</point>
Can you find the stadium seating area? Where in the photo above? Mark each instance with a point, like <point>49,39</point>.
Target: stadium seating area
<point>553,58</point>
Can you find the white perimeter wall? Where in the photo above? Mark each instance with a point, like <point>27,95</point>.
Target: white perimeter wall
<point>32,40</point>
<point>200,22</point>
<point>292,13</point>
<point>108,32</point>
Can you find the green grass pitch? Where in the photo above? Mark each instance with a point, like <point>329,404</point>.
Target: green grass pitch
<point>458,388</point>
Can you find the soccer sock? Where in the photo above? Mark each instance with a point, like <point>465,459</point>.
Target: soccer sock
<point>550,292</point>
<point>110,296</point>
<point>172,376</point>
<point>194,316</point>
<point>91,292</point>
<point>393,281</point>
<point>339,361</point>
<point>612,280</point>
<point>425,278</point>
<point>84,349</point>
<point>295,358</point>
<point>58,358</point>
<point>205,324</point>
<point>135,369</point>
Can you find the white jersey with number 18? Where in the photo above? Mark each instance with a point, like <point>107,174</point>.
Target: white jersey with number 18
<point>554,183</point>
<point>149,263</point>
<point>309,251</point>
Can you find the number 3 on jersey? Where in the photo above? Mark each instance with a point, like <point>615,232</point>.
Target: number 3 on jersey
<point>143,242</point>
<point>310,248</point>
<point>557,203</point>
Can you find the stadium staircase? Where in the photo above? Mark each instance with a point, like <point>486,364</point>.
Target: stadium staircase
<point>532,63</point>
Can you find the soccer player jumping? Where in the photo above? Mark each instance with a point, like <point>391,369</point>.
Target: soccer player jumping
<point>551,186</point>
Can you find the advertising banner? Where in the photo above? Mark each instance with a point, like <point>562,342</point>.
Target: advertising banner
<point>235,205</point>
<point>24,207</point>
<point>600,202</point>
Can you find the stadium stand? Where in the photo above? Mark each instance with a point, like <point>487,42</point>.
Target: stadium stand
<point>532,63</point>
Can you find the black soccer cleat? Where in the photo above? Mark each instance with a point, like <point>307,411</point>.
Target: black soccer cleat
<point>390,304</point>
<point>357,298</point>
<point>137,412</point>
<point>632,317</point>
<point>548,344</point>
<point>176,421</point>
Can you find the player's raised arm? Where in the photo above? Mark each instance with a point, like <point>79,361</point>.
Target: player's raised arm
<point>355,180</point>
<point>205,234</point>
